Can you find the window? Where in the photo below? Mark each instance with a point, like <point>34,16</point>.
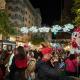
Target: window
<point>26,12</point>
<point>10,7</point>
<point>9,14</point>
<point>29,16</point>
<point>17,8</point>
<point>29,22</point>
<point>26,19</point>
<point>22,11</point>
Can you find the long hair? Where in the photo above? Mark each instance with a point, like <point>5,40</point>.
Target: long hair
<point>21,53</point>
<point>72,56</point>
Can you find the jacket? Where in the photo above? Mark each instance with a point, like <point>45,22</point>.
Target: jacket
<point>45,72</point>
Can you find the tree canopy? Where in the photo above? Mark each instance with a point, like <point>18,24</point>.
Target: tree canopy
<point>76,11</point>
<point>6,28</point>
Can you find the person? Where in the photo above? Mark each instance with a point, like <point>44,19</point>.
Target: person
<point>18,66</point>
<point>30,71</point>
<point>44,70</point>
<point>71,65</point>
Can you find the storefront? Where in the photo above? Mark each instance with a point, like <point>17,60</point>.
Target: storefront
<point>7,45</point>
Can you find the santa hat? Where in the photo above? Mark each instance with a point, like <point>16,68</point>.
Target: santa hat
<point>46,50</point>
<point>77,29</point>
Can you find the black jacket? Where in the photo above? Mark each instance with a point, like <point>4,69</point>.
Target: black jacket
<point>46,72</point>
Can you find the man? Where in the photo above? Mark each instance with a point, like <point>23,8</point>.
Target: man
<point>44,69</point>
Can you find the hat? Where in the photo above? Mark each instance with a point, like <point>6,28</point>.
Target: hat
<point>46,50</point>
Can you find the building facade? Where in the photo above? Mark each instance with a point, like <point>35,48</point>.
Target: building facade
<point>2,4</point>
<point>22,13</point>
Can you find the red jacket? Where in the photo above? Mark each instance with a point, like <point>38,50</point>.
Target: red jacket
<point>71,65</point>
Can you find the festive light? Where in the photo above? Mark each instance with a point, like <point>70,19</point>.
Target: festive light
<point>24,30</point>
<point>67,47</point>
<point>33,29</point>
<point>55,29</point>
<point>68,27</point>
<point>44,29</point>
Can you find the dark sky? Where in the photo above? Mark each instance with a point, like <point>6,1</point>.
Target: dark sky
<point>50,10</point>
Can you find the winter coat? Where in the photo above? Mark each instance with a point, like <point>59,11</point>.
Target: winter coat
<point>71,65</point>
<point>45,72</point>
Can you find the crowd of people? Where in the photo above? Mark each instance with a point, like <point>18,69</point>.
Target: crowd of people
<point>42,64</point>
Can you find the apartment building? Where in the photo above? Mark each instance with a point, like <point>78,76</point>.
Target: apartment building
<point>2,4</point>
<point>22,13</point>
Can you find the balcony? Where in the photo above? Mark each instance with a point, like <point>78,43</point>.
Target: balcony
<point>15,2</point>
<point>16,16</point>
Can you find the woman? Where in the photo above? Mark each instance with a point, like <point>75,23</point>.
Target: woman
<point>19,64</point>
<point>71,65</point>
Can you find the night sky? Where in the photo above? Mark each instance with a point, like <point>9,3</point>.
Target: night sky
<point>50,10</point>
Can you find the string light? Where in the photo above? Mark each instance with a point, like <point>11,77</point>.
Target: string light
<point>55,29</point>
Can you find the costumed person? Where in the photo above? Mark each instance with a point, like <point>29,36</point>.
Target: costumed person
<point>71,65</point>
<point>75,40</point>
<point>44,70</point>
<point>75,50</point>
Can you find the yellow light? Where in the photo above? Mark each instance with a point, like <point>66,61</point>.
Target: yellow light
<point>67,47</point>
<point>12,38</point>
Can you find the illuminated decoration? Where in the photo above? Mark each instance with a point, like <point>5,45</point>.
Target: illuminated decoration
<point>67,48</point>
<point>24,30</point>
<point>33,29</point>
<point>55,29</point>
<point>68,27</point>
<point>44,29</point>
<point>75,40</point>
